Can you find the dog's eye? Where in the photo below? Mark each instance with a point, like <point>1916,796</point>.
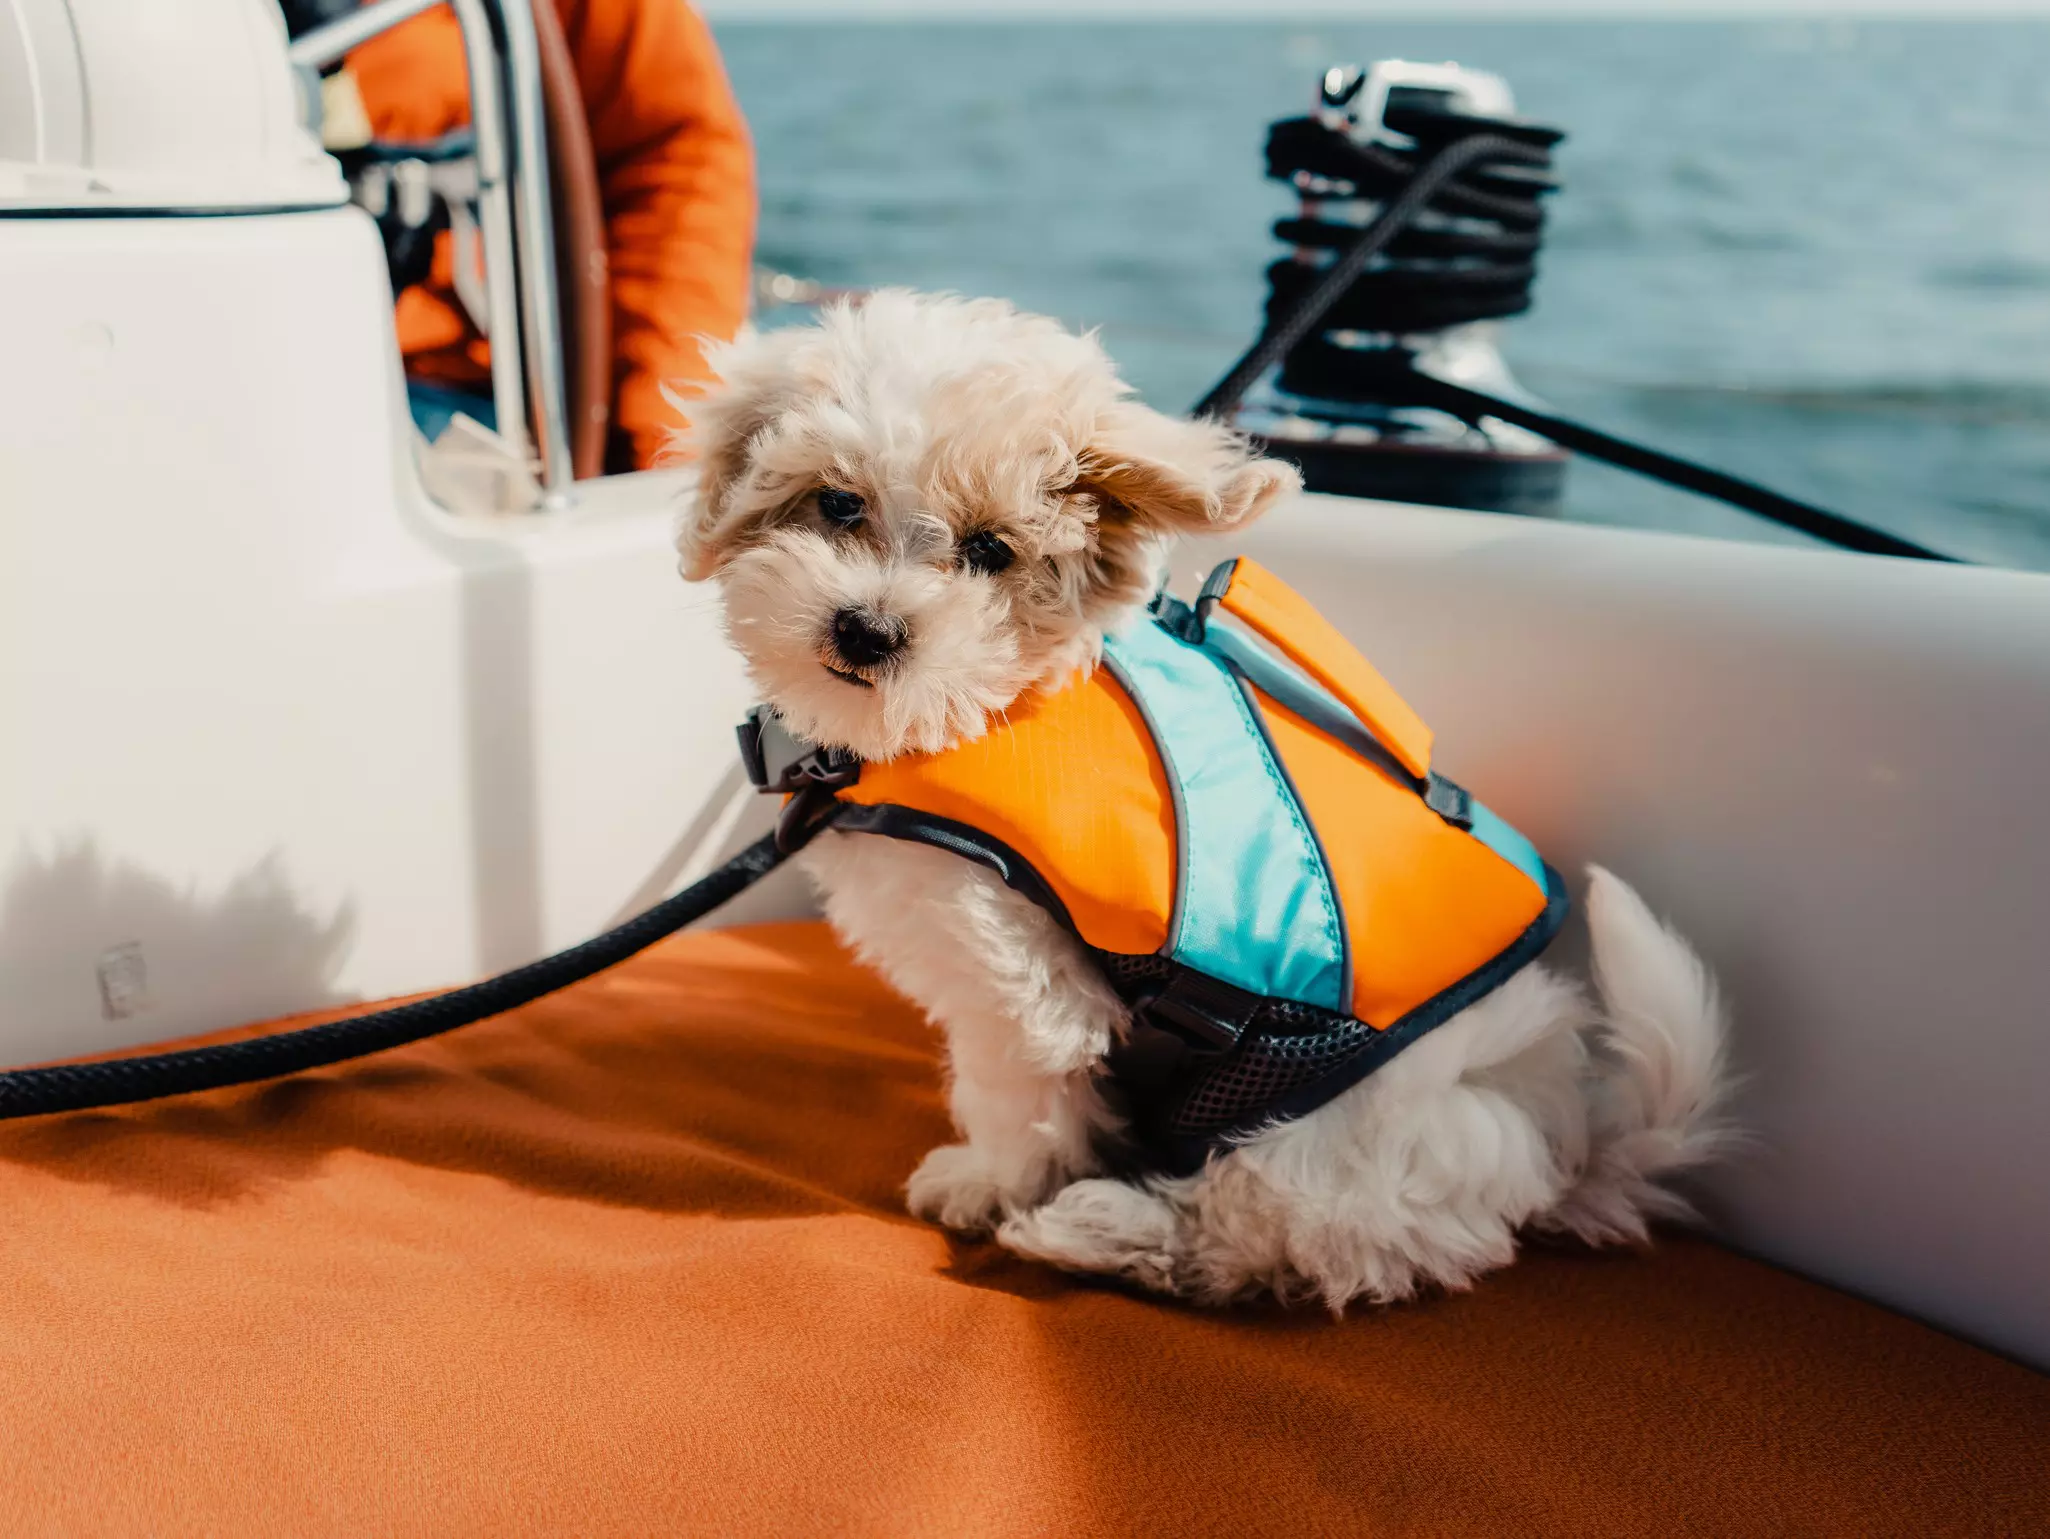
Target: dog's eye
<point>985,553</point>
<point>842,509</point>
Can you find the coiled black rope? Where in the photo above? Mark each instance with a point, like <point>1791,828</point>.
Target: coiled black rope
<point>152,1076</point>
<point>1311,305</point>
<point>1488,175</point>
<point>1472,259</point>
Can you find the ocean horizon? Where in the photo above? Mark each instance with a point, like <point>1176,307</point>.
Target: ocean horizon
<point>1813,252</point>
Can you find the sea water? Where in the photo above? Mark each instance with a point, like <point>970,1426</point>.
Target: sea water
<point>1814,253</point>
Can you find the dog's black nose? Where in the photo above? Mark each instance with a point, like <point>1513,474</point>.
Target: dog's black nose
<point>863,639</point>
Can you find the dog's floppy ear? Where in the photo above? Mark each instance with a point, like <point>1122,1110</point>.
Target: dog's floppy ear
<point>1172,475</point>
<point>753,386</point>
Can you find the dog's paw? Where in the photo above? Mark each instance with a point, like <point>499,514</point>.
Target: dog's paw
<point>1102,1226</point>
<point>956,1186</point>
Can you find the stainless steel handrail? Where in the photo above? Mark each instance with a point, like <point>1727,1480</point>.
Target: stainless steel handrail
<point>515,216</point>
<point>534,241</point>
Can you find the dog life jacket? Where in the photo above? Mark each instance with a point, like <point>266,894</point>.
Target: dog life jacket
<point>1238,817</point>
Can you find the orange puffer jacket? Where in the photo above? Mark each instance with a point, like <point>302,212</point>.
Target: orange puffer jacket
<point>676,177</point>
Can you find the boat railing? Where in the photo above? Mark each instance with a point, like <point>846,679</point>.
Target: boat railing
<point>515,217</point>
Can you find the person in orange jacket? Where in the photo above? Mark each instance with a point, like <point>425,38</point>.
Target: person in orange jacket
<point>676,180</point>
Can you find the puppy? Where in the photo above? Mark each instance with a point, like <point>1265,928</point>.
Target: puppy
<point>919,511</point>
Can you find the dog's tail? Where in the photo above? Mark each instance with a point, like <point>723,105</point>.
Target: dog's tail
<point>1659,1064</point>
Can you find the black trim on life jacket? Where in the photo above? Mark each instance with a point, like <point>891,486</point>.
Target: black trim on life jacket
<point>1015,871</point>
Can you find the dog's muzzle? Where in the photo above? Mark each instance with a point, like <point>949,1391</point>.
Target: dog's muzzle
<point>862,642</point>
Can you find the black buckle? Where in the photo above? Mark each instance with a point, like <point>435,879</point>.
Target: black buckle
<point>1214,588</point>
<point>1450,801</point>
<point>1176,618</point>
<point>1191,621</point>
<point>780,763</point>
<point>1203,1010</point>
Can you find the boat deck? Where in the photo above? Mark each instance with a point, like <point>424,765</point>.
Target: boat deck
<point>634,1260</point>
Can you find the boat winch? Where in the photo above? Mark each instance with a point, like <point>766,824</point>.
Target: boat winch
<point>1342,402</point>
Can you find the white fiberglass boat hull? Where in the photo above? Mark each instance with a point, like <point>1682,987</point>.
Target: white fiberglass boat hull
<point>281,732</point>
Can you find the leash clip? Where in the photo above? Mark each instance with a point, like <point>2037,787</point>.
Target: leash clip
<point>780,763</point>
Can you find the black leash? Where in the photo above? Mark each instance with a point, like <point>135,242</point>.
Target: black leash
<point>152,1076</point>
<point>1789,512</point>
<point>1418,291</point>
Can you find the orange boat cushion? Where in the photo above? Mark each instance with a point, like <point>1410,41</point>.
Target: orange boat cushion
<point>633,1261</point>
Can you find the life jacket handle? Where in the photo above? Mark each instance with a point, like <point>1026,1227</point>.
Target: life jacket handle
<point>1285,620</point>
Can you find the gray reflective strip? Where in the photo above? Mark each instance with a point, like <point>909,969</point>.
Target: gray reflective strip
<point>1282,681</point>
<point>1288,686</point>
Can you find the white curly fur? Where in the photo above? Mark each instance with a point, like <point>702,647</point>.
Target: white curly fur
<point>1533,1109</point>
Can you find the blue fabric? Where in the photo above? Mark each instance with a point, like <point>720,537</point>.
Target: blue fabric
<point>1254,904</point>
<point>435,405</point>
<point>1507,843</point>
